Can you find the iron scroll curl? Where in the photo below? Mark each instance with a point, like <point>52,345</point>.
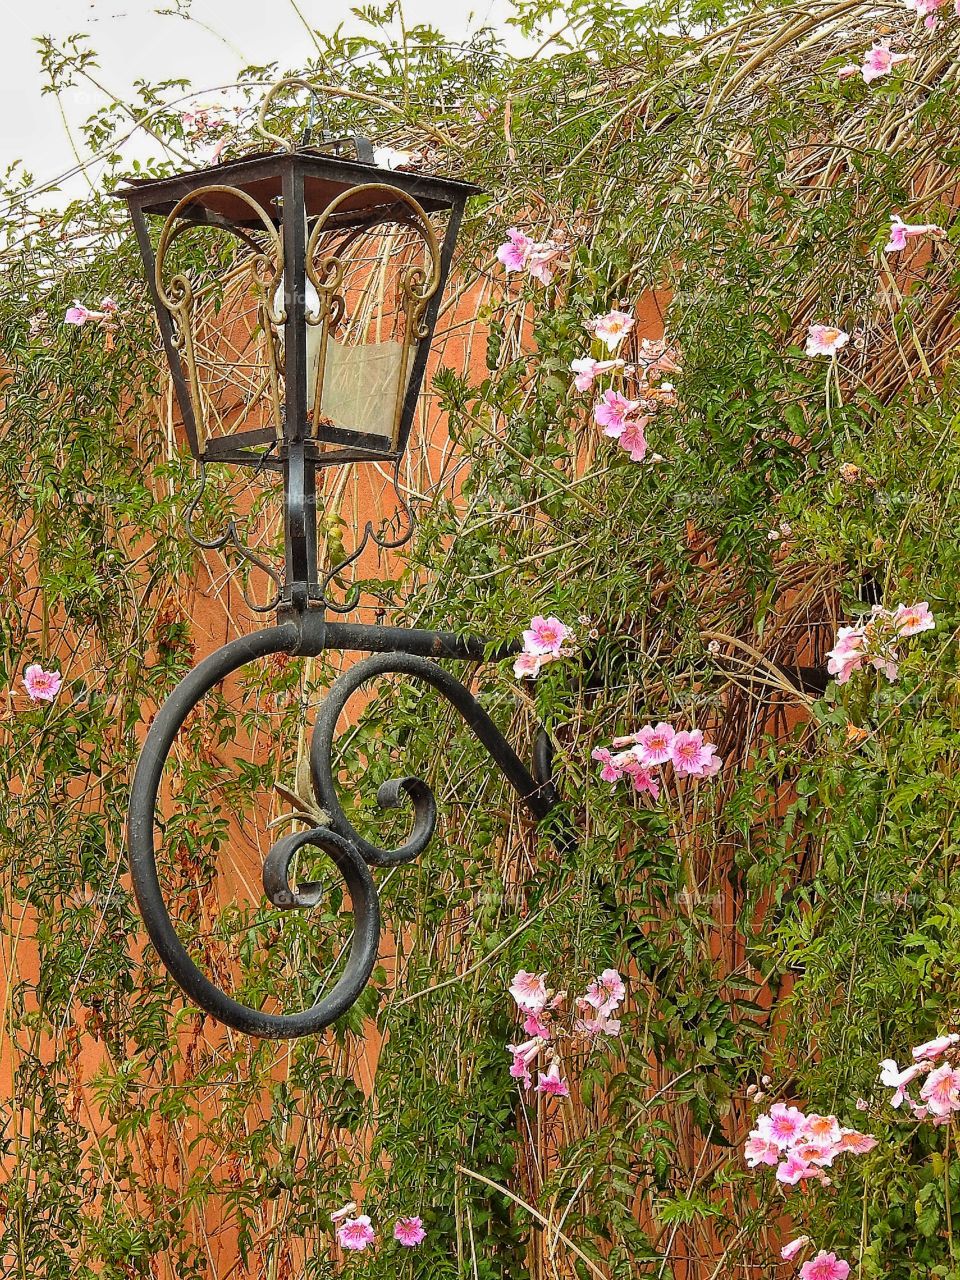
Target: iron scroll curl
<point>392,651</point>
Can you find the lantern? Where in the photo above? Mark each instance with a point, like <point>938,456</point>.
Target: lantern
<point>297,292</point>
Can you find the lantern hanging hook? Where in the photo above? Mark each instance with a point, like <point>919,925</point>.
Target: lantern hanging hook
<point>316,110</point>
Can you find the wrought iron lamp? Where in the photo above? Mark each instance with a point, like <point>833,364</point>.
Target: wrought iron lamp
<point>300,341</point>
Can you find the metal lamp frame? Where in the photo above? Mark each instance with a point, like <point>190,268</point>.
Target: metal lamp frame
<point>302,625</point>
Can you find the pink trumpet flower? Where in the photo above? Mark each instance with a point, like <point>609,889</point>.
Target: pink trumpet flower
<point>409,1231</point>
<point>901,232</point>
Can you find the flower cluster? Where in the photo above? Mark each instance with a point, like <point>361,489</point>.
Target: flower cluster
<point>622,418</point>
<point>208,117</point>
<point>639,754</point>
<point>41,686</point>
<point>357,1233</point>
<point>940,1091</point>
<point>801,1146</point>
<point>545,640</point>
<point>544,1025</point>
<point>873,642</point>
<point>927,9</point>
<point>540,259</point>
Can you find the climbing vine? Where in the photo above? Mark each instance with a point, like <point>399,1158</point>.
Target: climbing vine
<point>698,375</point>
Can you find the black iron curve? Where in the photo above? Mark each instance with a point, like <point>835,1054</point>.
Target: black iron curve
<point>393,650</point>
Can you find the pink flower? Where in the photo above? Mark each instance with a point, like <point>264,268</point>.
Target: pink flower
<point>821,1129</point>
<point>545,636</point>
<point>527,666</point>
<point>901,231</point>
<point>941,1090</point>
<point>611,328</point>
<point>911,619</point>
<point>894,1078</point>
<point>791,1250</point>
<point>934,1048</point>
<point>825,1266</point>
<point>41,686</point>
<point>520,1071</point>
<point>528,1050</point>
<point>657,357</point>
<point>927,9</point>
<point>794,1169</point>
<point>520,253</point>
<point>513,254</point>
<point>712,766</point>
<point>601,1025</point>
<point>783,1124</point>
<point>879,61</point>
<point>848,654</point>
<point>542,260</point>
<point>633,440</point>
<point>612,770</point>
<point>612,412</point>
<point>654,742</point>
<point>691,755</point>
<point>588,370</point>
<point>217,150</point>
<point>760,1150</point>
<point>78,314</point>
<point>606,992</point>
<point>344,1212</point>
<point>888,666</point>
<point>818,1153</point>
<point>409,1231</point>
<point>824,340</point>
<point>529,990</point>
<point>858,1143</point>
<point>553,1083</point>
<point>641,777</point>
<point>533,1026</point>
<point>355,1233</point>
<point>522,1055</point>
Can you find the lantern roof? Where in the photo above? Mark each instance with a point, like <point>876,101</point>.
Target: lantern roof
<point>260,176</point>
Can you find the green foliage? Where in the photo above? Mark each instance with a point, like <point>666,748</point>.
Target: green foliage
<point>798,917</point>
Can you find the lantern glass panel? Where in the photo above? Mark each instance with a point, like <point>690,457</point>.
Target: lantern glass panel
<point>367,293</point>
<point>217,284</point>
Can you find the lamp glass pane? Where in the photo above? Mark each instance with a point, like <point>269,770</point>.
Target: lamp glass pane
<point>374,284</point>
<point>361,384</point>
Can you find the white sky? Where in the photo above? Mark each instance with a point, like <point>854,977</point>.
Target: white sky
<point>134,41</point>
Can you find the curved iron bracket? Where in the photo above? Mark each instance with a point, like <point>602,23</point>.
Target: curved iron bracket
<point>392,650</point>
